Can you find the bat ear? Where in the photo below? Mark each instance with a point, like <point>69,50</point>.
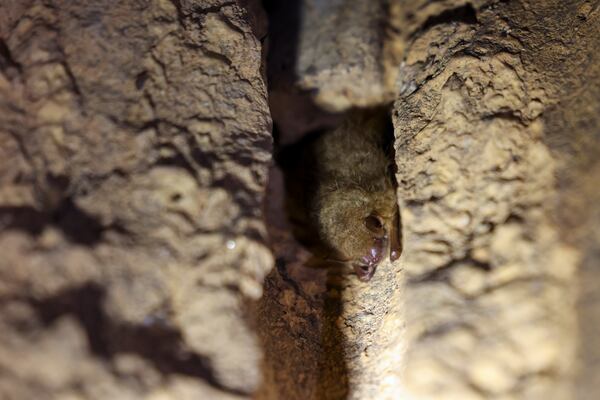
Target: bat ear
<point>396,236</point>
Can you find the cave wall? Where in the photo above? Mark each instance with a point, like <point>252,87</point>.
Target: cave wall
<point>135,140</point>
<point>492,151</point>
<point>140,211</point>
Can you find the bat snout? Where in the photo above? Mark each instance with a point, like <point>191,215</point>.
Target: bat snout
<point>375,252</point>
<point>367,264</point>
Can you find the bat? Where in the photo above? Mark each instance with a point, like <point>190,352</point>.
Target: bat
<point>341,195</point>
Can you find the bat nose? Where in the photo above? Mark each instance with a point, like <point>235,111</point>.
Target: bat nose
<point>375,252</point>
<point>368,263</point>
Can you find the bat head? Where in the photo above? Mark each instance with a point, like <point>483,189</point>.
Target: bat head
<point>361,229</point>
<point>372,249</point>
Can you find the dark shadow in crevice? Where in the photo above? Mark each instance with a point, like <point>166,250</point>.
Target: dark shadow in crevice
<point>8,64</point>
<point>293,109</point>
<point>26,219</point>
<point>283,39</point>
<point>77,226</point>
<point>464,14</point>
<point>157,342</point>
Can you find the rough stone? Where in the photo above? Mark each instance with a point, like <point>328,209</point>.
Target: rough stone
<point>136,140</point>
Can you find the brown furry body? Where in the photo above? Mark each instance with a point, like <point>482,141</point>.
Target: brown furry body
<point>341,195</point>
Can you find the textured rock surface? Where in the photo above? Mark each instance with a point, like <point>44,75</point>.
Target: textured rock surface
<point>490,293</point>
<point>351,31</point>
<point>135,140</point>
<point>488,154</point>
<point>349,51</point>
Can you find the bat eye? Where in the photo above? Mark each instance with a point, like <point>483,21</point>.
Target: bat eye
<point>374,224</point>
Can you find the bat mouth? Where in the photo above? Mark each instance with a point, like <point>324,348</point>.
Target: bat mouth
<point>365,272</point>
